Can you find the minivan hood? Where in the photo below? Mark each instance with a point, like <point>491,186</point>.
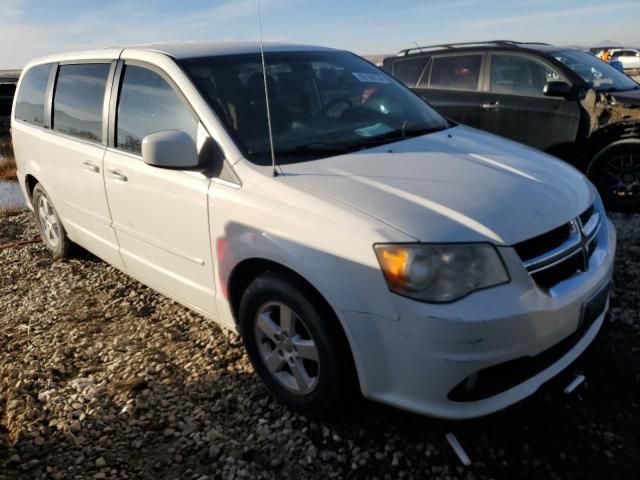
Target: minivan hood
<point>457,185</point>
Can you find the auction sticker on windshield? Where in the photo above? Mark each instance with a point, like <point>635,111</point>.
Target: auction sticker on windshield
<point>371,77</point>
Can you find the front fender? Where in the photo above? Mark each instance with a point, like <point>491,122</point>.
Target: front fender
<point>326,244</point>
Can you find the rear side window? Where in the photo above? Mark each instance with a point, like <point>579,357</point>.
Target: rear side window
<point>79,100</point>
<point>408,71</point>
<point>32,93</point>
<point>148,104</point>
<point>458,72</point>
<point>520,75</point>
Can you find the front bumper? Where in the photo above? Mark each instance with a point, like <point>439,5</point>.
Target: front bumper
<point>414,362</point>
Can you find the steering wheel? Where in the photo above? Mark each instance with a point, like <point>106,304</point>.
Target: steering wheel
<point>333,103</point>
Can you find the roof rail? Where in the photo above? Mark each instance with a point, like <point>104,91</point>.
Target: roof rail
<point>428,48</point>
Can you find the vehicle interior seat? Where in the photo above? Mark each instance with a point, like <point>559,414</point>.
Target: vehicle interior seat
<point>280,115</point>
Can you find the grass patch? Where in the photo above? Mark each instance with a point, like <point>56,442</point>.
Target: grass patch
<point>7,160</point>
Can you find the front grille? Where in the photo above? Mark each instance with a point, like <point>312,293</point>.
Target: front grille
<point>587,214</point>
<point>592,246</point>
<point>563,270</point>
<point>563,252</point>
<point>541,244</point>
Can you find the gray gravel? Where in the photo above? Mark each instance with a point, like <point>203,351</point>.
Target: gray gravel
<point>101,378</point>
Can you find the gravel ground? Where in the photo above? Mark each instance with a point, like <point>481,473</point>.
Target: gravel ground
<point>100,377</point>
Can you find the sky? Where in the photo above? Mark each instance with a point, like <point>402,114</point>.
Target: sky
<point>33,28</point>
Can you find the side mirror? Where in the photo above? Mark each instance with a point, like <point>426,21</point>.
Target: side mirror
<point>170,149</point>
<point>557,89</point>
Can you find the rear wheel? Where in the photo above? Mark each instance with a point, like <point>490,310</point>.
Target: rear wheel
<point>294,346</point>
<point>51,230</point>
<point>616,173</point>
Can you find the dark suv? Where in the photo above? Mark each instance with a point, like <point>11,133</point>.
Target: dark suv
<point>7,90</point>
<point>565,101</point>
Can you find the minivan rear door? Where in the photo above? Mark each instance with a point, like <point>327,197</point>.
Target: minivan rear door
<point>452,83</point>
<point>72,155</point>
<point>160,215</point>
<point>515,106</point>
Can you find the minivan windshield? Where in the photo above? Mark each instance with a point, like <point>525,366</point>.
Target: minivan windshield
<point>322,103</point>
<point>600,75</point>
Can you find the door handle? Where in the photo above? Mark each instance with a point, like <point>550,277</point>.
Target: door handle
<point>90,167</point>
<point>491,106</point>
<point>115,174</point>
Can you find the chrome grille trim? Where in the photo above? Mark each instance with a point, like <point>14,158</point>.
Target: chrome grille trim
<point>582,241</point>
<point>591,225</point>
<point>556,262</point>
<point>559,252</point>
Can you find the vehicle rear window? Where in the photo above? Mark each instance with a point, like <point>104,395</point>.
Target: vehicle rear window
<point>148,104</point>
<point>456,72</point>
<point>408,71</point>
<point>79,100</point>
<point>32,93</point>
<point>520,75</point>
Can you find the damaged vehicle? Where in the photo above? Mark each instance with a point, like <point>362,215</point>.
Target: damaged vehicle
<point>386,250</point>
<point>561,100</point>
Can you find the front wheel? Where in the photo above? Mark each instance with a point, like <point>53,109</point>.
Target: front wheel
<point>616,173</point>
<point>294,345</point>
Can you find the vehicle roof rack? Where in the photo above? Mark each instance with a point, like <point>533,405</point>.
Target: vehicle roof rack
<point>497,43</point>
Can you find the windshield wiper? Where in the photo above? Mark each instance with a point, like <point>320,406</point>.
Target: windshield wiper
<point>400,134</point>
<point>315,148</point>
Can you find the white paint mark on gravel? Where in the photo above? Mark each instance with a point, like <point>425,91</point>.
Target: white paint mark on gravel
<point>457,448</point>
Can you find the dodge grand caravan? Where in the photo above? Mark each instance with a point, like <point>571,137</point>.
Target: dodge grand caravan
<point>432,266</point>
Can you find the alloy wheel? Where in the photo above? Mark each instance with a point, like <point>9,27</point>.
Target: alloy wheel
<point>620,177</point>
<point>286,348</point>
<point>48,222</point>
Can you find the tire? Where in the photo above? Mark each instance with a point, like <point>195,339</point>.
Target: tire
<point>615,171</point>
<point>308,386</point>
<point>51,230</point>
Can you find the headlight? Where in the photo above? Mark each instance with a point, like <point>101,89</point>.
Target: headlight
<point>440,273</point>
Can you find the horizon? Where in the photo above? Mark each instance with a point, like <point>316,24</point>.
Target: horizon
<point>75,25</point>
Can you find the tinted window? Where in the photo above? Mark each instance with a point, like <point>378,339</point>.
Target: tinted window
<point>79,98</point>
<point>31,97</point>
<point>408,71</point>
<point>519,75</point>
<point>459,72</point>
<point>147,105</point>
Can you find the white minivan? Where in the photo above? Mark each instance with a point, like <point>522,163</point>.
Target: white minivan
<point>430,266</point>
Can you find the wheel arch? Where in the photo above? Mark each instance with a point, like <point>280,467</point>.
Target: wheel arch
<point>30,182</point>
<point>609,136</point>
<point>249,269</point>
<point>611,146</point>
